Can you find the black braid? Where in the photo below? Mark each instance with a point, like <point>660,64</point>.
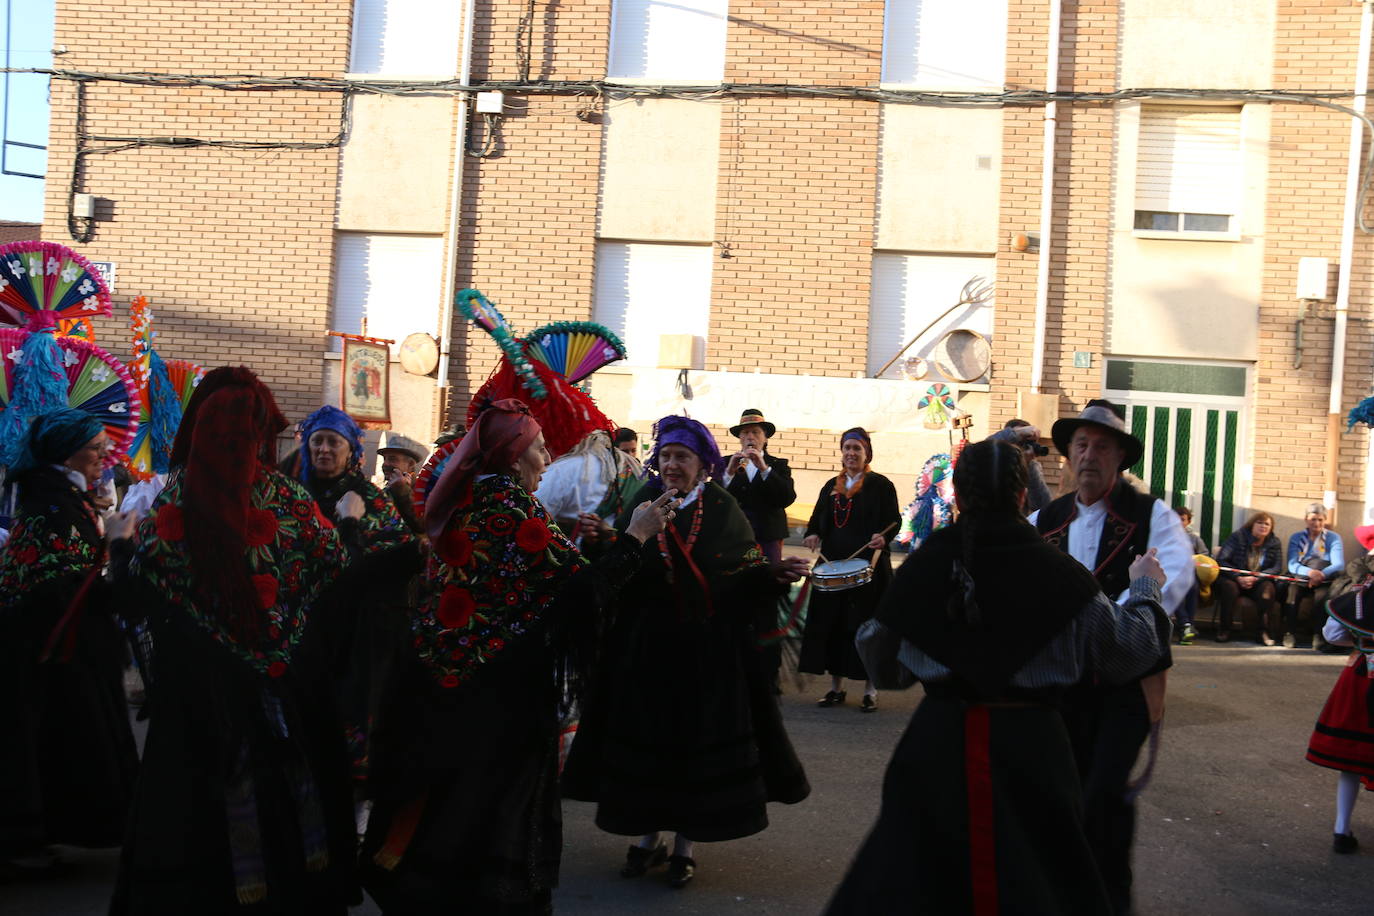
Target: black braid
<point>989,478</point>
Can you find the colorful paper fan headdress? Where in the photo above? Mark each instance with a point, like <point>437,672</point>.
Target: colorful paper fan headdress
<point>543,369</point>
<point>44,285</point>
<point>164,389</point>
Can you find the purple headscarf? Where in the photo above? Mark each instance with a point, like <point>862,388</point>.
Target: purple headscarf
<point>331,418</point>
<point>685,431</point>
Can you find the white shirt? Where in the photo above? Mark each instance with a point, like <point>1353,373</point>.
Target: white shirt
<point>140,495</point>
<point>1166,535</point>
<point>571,486</point>
<point>751,471</point>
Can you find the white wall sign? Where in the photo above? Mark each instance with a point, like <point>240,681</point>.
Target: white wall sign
<point>106,269</point>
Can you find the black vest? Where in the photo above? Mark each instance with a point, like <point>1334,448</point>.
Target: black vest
<point>1125,532</point>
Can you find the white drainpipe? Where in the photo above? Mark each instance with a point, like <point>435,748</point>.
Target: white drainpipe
<point>1351,218</point>
<point>455,202</point>
<point>1042,275</point>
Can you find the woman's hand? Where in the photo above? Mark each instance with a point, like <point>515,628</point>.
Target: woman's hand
<point>790,569</point>
<point>812,542</point>
<point>877,542</point>
<point>589,527</point>
<point>650,518</point>
<point>1246,581</point>
<point>120,526</point>
<point>350,506</point>
<point>1147,564</point>
<point>1315,577</point>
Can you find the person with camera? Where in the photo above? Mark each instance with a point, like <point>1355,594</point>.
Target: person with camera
<point>1021,434</point>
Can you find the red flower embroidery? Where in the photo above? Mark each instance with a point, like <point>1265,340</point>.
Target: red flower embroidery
<point>276,669</point>
<point>455,608</point>
<point>27,556</point>
<point>266,587</point>
<point>450,680</point>
<point>261,528</point>
<point>320,518</point>
<point>303,509</point>
<point>497,644</point>
<point>533,535</point>
<point>500,524</point>
<point>454,547</point>
<point>169,524</point>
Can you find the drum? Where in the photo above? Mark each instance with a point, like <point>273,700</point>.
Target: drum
<point>839,575</point>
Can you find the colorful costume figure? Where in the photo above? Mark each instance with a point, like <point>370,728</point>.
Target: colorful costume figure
<point>244,797</point>
<point>68,770</point>
<point>981,807</point>
<point>849,511</point>
<point>933,507</point>
<point>682,732</point>
<point>468,811</point>
<point>368,632</point>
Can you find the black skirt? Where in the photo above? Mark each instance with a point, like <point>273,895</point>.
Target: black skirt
<point>982,801</point>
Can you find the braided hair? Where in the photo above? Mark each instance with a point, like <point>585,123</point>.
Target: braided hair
<point>989,478</point>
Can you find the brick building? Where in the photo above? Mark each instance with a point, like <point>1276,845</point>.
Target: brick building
<point>767,200</point>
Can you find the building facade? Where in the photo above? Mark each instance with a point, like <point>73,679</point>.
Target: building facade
<point>767,201</point>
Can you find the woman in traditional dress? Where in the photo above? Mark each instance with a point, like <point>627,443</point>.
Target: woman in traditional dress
<point>368,631</point>
<point>467,815</point>
<point>856,511</point>
<point>682,732</point>
<point>981,807</point>
<point>1344,735</point>
<point>68,771</point>
<point>244,796</point>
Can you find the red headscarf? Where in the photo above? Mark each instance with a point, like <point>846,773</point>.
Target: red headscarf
<point>229,428</point>
<point>499,435</point>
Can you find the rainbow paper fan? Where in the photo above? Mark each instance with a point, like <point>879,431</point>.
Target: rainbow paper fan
<point>432,471</point>
<point>164,389</point>
<point>96,383</point>
<point>40,277</point>
<point>574,349</point>
<point>141,460</point>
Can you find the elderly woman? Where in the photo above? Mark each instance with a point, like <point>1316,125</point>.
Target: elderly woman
<point>244,794</point>
<point>855,512</point>
<point>369,630</point>
<point>1252,547</point>
<point>467,818</point>
<point>682,732</point>
<point>68,770</point>
<point>1317,555</point>
<point>981,807</point>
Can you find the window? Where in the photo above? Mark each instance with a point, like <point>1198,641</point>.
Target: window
<point>394,281</point>
<point>909,291</point>
<point>406,37</point>
<point>1188,171</point>
<point>945,44</point>
<point>668,41</point>
<point>644,291</point>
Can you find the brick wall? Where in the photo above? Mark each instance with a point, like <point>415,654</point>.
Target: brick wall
<point>19,232</point>
<point>232,247</point>
<point>1315,48</point>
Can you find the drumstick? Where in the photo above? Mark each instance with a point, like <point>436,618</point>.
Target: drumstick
<point>865,547</point>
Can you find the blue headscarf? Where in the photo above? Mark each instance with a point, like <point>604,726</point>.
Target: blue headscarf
<point>331,418</point>
<point>55,436</point>
<point>687,432</point>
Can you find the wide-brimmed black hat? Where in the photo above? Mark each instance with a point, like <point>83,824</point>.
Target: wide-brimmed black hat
<point>1105,415</point>
<point>753,417</point>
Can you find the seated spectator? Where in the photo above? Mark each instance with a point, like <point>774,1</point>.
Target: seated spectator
<point>1317,555</point>
<point>1187,609</point>
<point>1252,547</point>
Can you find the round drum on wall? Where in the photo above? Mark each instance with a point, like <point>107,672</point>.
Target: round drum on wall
<point>963,356</point>
<point>419,353</point>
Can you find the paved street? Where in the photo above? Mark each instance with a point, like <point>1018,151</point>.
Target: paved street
<point>1235,822</point>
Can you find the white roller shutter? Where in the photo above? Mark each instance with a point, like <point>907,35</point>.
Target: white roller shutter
<point>393,280</point>
<point>644,291</point>
<point>671,41</point>
<point>907,293</point>
<point>406,37</point>
<point>1189,159</point>
<point>945,44</point>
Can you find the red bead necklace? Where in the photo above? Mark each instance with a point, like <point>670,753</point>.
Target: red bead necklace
<point>835,509</point>
<point>692,533</point>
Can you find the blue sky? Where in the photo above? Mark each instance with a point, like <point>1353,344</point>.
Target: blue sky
<point>26,117</point>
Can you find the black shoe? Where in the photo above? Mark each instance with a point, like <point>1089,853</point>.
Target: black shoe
<point>831,698</point>
<point>639,860</point>
<point>1344,843</point>
<point>869,704</point>
<point>681,870</point>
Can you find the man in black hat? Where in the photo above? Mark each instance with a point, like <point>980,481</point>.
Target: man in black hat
<point>760,482</point>
<point>1105,524</point>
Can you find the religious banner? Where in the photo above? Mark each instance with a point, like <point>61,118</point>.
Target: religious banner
<point>366,381</point>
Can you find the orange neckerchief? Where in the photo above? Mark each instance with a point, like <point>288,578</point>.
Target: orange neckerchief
<point>841,486</point>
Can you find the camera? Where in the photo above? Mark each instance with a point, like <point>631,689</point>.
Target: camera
<point>1036,450</point>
